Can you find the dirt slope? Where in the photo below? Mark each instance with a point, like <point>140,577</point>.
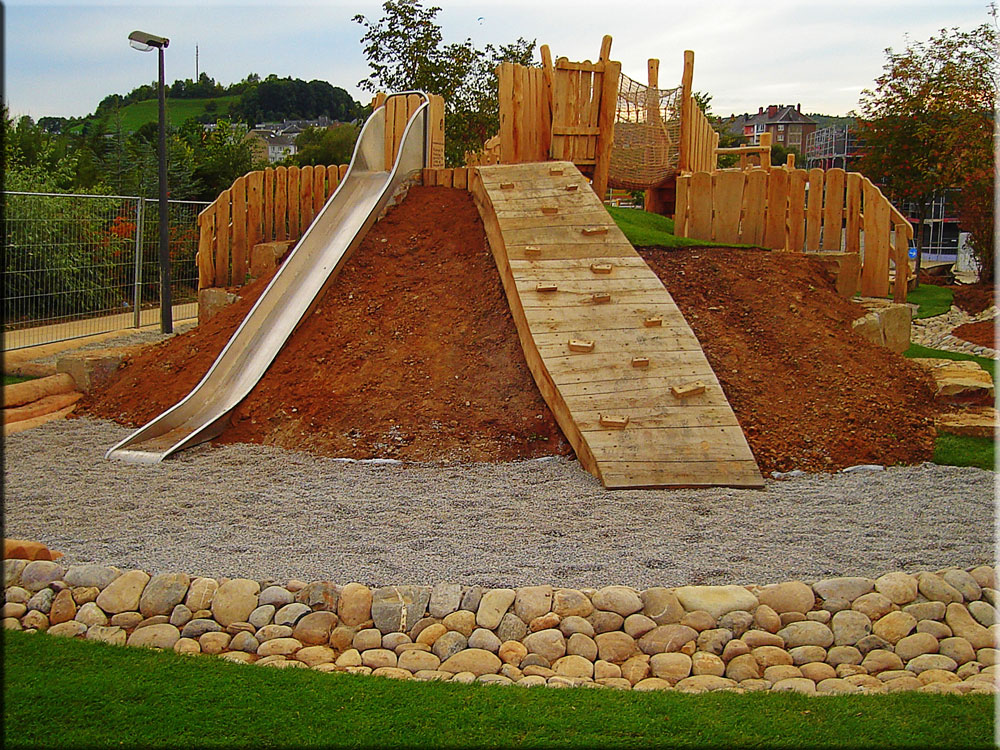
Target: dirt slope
<point>808,392</point>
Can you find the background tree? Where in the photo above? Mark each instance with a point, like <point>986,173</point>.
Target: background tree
<point>326,145</point>
<point>405,50</point>
<point>927,124</point>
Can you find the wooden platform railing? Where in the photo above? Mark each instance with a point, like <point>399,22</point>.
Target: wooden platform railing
<point>798,210</point>
<point>261,206</point>
<point>563,110</point>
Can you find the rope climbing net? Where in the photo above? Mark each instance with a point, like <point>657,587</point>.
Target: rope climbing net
<point>646,148</point>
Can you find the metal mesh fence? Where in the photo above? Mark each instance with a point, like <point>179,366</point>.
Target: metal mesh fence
<point>77,265</point>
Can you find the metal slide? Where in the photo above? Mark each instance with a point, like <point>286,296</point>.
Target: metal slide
<point>336,232</point>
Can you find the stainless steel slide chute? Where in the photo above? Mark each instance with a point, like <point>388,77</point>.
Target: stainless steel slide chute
<point>363,193</point>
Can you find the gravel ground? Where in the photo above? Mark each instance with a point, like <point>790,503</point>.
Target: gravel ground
<point>130,337</point>
<point>267,513</point>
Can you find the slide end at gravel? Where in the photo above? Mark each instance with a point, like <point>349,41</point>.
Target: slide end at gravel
<point>612,355</point>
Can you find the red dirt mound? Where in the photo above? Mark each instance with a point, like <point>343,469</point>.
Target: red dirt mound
<point>411,354</point>
<point>809,393</point>
<point>982,333</point>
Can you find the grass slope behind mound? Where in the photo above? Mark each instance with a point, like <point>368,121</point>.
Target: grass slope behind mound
<point>644,229</point>
<point>61,693</point>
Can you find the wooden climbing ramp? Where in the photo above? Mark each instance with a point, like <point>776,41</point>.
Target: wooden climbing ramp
<point>611,353</point>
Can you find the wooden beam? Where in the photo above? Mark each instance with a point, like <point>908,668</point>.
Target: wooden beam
<point>684,161</point>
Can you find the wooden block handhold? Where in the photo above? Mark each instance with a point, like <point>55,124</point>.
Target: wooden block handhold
<point>603,268</point>
<point>640,361</point>
<point>532,250</point>
<point>579,345</point>
<point>550,210</point>
<point>572,188</point>
<point>614,422</point>
<point>590,231</point>
<point>689,389</point>
<point>600,298</point>
<point>546,287</point>
<point>653,322</point>
<point>556,170</point>
<point>506,185</point>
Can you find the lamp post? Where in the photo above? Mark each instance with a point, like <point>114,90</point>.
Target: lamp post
<point>144,42</point>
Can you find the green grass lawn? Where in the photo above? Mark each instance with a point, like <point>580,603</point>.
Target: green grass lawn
<point>933,300</point>
<point>11,379</point>
<point>70,693</point>
<point>960,450</point>
<point>648,230</point>
<point>963,450</point>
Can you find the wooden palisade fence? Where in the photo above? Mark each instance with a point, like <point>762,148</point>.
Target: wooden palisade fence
<point>277,204</point>
<point>798,210</point>
<point>267,205</point>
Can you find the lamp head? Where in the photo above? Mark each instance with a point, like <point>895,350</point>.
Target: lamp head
<point>145,42</point>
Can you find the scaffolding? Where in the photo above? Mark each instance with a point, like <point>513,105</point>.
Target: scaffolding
<point>831,147</point>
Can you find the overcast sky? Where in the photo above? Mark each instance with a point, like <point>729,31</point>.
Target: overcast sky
<point>62,59</point>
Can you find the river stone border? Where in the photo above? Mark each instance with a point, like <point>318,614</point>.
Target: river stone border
<point>932,631</point>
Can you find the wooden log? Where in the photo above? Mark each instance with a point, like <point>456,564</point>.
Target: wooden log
<point>833,209</point>
<point>27,424</point>
<point>754,205</point>
<point>517,115</point>
<point>775,218</point>
<point>797,179</point>
<point>814,212</point>
<point>239,251</point>
<point>40,407</point>
<point>390,123</point>
<point>765,153</point>
<point>269,204</point>
<point>700,199</point>
<point>281,204</point>
<point>294,226</point>
<point>332,179</point>
<point>206,248</point>
<point>319,188</point>
<point>399,128</point>
<point>27,391</point>
<point>305,197</point>
<point>222,234</point>
<point>505,92</point>
<point>727,203</point>
<point>606,122</point>
<point>852,239</point>
<point>684,158</point>
<point>875,268</point>
<point>255,209</point>
<point>682,209</point>
<point>435,109</point>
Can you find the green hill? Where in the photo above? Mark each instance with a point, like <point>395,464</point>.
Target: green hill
<point>179,111</point>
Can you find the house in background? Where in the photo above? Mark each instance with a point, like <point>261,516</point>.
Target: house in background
<point>786,124</point>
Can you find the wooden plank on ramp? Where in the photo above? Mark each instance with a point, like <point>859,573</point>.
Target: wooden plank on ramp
<point>603,338</point>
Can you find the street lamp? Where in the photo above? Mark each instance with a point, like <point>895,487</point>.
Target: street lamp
<point>144,42</point>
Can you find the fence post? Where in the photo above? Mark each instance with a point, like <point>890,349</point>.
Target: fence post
<point>137,275</point>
